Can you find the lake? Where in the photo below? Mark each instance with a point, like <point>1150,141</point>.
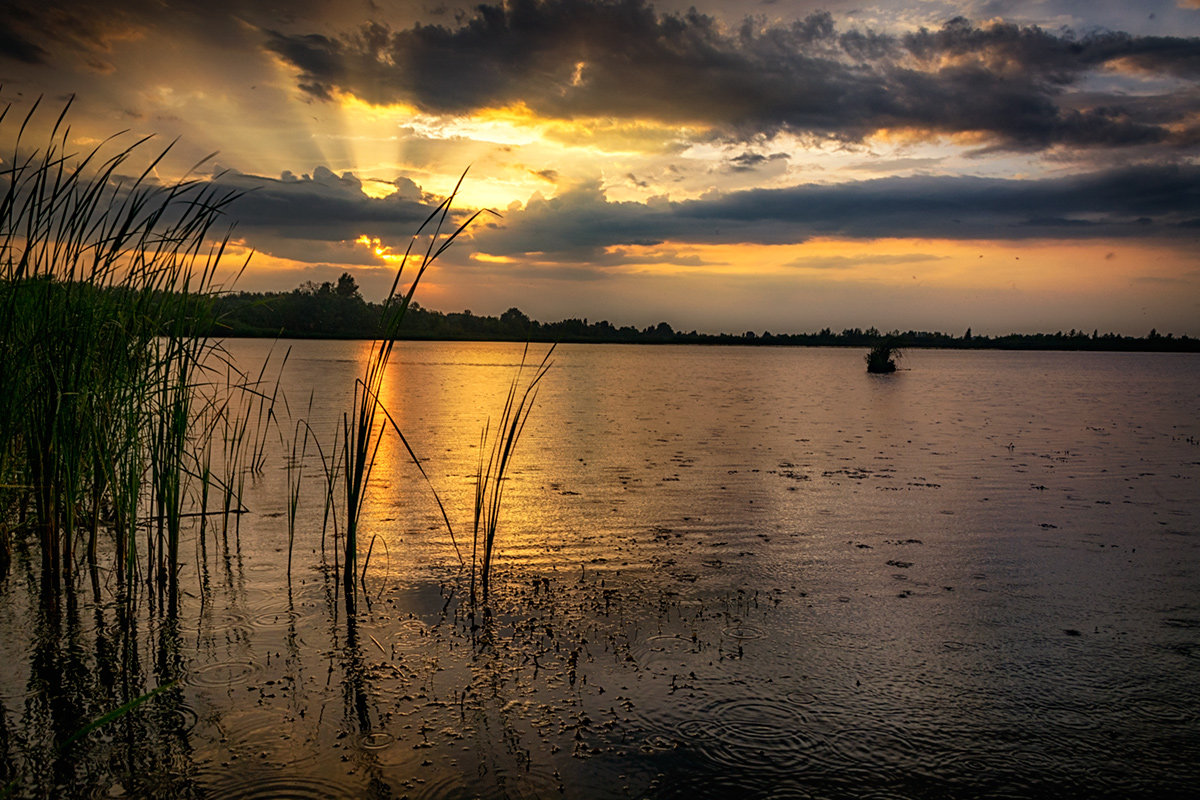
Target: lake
<point>719,572</point>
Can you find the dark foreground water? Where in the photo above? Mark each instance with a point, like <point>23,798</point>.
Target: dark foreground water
<point>721,572</point>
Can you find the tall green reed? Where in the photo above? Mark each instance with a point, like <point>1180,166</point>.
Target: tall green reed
<point>106,280</point>
<point>295,480</point>
<point>362,427</point>
<point>492,474</point>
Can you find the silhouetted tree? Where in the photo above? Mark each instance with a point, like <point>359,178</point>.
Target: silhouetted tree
<point>346,287</point>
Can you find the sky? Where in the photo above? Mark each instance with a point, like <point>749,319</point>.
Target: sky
<point>783,166</point>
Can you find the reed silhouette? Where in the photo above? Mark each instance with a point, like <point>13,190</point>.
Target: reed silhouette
<point>108,408</point>
<point>362,427</point>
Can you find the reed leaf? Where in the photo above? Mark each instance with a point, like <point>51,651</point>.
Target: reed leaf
<point>490,476</point>
<point>362,432</point>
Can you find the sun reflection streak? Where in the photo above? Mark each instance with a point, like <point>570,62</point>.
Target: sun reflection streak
<point>442,405</point>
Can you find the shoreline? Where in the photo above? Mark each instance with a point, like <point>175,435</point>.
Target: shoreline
<point>1182,344</point>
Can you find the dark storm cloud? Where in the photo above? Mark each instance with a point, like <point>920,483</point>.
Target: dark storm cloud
<point>41,33</point>
<point>569,58</point>
<point>285,216</point>
<point>15,46</point>
<point>1060,57</point>
<point>61,31</point>
<point>1104,204</point>
<point>316,218</point>
<point>1135,202</point>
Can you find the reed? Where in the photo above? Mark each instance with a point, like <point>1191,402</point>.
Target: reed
<point>491,475</point>
<point>222,451</point>
<point>10,788</point>
<point>362,427</point>
<point>106,282</point>
<point>295,479</point>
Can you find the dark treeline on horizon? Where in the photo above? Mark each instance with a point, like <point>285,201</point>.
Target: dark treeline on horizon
<point>338,311</point>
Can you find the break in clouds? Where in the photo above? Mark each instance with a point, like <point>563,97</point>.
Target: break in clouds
<point>1020,86</point>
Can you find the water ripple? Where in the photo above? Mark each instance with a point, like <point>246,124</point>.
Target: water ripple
<point>267,736</point>
<point>281,787</point>
<point>376,740</point>
<point>272,616</point>
<point>736,731</point>
<point>743,632</point>
<point>223,674</point>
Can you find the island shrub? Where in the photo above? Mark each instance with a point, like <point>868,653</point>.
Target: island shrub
<point>881,359</point>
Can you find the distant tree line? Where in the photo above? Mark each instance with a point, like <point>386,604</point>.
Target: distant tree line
<point>325,311</point>
<point>338,311</point>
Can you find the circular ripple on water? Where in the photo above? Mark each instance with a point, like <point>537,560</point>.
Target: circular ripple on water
<point>272,617</point>
<point>668,640</point>
<point>429,785</point>
<point>531,782</point>
<point>376,740</point>
<point>698,729</point>
<point>1162,711</point>
<point>743,632</point>
<point>225,621</point>
<point>409,633</point>
<point>266,736</point>
<point>757,730</point>
<point>658,743</point>
<point>799,698</point>
<point>186,717</point>
<point>969,770</point>
<point>877,745</point>
<point>250,566</point>
<point>667,650</point>
<point>789,793</point>
<point>411,624</point>
<point>243,786</point>
<point>222,674</point>
<point>1073,718</point>
<point>535,784</point>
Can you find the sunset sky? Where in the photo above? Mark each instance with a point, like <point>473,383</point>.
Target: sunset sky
<point>785,165</point>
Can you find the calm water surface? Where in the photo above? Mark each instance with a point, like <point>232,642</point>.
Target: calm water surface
<point>746,572</point>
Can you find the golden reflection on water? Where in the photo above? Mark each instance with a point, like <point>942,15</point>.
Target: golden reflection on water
<point>442,403</point>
